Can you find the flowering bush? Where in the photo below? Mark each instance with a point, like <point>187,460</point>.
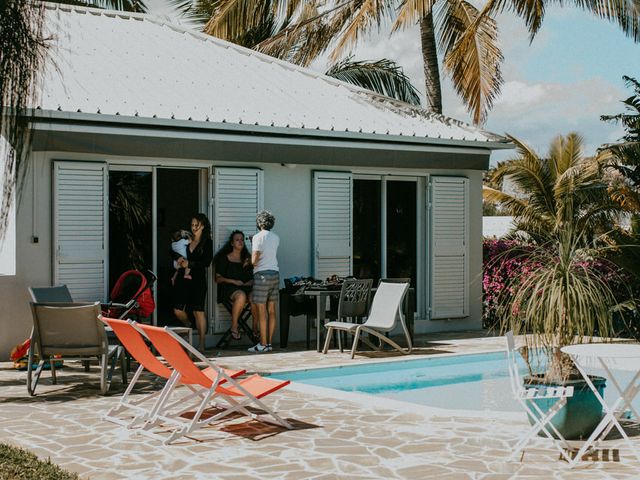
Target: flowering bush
<point>507,263</point>
<point>503,261</point>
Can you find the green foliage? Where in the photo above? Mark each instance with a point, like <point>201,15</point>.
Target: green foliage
<point>382,76</point>
<point>553,193</point>
<point>624,157</point>
<point>19,464</point>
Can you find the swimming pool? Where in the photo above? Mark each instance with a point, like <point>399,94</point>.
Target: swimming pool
<point>459,382</point>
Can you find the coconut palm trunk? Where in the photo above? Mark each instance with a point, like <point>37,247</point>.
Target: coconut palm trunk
<point>430,63</point>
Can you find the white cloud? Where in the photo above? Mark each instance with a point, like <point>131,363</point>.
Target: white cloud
<point>537,112</point>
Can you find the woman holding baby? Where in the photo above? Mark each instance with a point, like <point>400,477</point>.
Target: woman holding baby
<point>190,293</point>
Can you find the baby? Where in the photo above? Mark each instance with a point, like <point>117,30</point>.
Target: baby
<point>180,240</point>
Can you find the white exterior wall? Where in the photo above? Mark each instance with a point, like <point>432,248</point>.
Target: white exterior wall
<point>287,193</point>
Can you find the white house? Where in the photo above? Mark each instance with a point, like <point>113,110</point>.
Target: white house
<point>142,115</point>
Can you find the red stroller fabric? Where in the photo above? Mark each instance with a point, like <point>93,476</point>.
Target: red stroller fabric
<point>133,291</point>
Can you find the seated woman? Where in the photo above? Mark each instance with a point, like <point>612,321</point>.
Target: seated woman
<point>234,275</point>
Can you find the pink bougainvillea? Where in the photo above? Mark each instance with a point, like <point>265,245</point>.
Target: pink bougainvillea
<point>506,263</point>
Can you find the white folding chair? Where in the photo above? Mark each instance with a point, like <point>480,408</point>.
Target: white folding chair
<point>527,396</point>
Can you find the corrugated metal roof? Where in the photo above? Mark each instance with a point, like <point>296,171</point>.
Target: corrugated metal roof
<point>135,65</point>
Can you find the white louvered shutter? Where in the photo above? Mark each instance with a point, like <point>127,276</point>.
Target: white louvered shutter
<point>80,211</point>
<point>332,223</point>
<point>238,198</point>
<point>449,247</point>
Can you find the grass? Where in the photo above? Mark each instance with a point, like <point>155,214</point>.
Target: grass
<point>19,464</point>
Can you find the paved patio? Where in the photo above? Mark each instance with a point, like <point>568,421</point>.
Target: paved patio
<point>336,435</point>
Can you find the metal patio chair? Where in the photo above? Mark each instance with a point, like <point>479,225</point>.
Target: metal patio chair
<point>353,302</point>
<point>527,396</point>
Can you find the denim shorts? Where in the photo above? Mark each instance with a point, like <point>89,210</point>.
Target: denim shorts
<point>266,286</point>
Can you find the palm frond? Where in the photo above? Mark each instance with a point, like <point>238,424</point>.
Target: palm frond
<point>565,152</point>
<point>630,120</point>
<point>382,76</point>
<point>363,15</point>
<point>303,39</point>
<point>234,17</point>
<point>473,57</point>
<point>625,13</point>
<point>411,12</point>
<point>531,11</point>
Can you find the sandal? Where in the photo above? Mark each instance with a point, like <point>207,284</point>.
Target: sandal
<point>235,334</point>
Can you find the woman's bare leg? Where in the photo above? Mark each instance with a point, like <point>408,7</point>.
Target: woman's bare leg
<point>182,317</point>
<point>201,326</point>
<point>239,299</point>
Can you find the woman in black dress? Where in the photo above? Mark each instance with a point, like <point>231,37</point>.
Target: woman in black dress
<point>190,294</point>
<point>234,275</point>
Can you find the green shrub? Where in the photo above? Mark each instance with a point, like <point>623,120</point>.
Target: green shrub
<point>19,464</point>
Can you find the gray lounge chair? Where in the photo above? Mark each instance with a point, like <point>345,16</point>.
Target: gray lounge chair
<point>71,330</point>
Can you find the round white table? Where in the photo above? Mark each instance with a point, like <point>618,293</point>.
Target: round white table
<point>610,357</point>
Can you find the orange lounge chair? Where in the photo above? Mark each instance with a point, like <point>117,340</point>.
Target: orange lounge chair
<point>133,341</point>
<point>231,396</point>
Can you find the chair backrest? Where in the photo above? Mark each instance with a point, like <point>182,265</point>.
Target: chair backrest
<point>57,293</point>
<point>394,280</point>
<point>385,309</point>
<point>68,329</point>
<point>512,363</point>
<point>175,356</point>
<point>134,343</point>
<point>354,298</point>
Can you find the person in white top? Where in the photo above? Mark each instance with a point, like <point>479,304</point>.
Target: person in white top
<point>266,279</point>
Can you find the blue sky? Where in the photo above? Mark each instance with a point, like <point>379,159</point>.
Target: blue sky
<point>562,82</point>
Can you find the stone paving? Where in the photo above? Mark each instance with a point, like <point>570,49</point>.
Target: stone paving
<point>336,435</point>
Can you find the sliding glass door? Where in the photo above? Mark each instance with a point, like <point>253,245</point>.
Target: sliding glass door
<point>130,221</point>
<point>385,228</point>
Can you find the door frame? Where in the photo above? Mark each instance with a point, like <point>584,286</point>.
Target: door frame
<point>204,193</point>
<point>421,287</point>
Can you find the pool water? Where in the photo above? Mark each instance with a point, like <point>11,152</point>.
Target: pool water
<point>459,382</point>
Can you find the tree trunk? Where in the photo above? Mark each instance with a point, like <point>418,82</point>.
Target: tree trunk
<point>430,60</point>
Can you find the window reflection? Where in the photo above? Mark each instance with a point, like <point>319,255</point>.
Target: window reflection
<point>367,229</point>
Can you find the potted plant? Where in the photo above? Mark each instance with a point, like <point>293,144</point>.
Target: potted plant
<point>563,300</point>
<point>560,205</point>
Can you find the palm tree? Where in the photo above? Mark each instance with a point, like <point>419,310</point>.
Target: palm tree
<point>561,202</point>
<point>554,194</point>
<point>624,157</point>
<point>467,36</point>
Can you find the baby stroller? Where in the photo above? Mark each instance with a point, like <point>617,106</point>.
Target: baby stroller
<point>131,296</point>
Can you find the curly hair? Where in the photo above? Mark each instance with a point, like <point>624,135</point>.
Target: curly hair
<point>265,220</point>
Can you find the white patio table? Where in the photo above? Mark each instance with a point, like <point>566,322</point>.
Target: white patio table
<point>611,357</point>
